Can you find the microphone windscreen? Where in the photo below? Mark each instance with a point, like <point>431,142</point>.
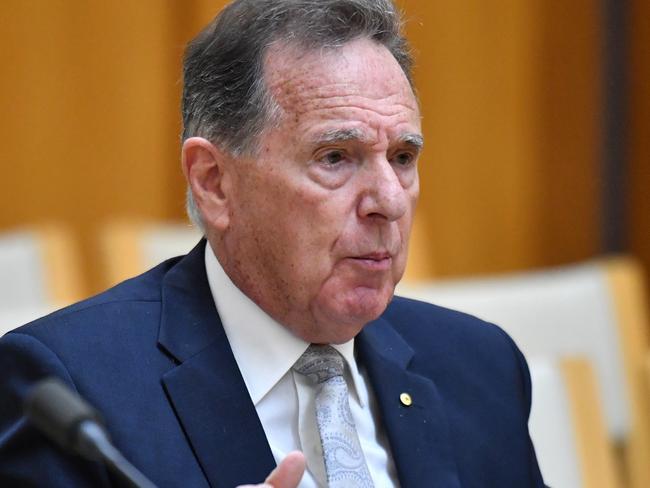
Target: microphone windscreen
<point>57,411</point>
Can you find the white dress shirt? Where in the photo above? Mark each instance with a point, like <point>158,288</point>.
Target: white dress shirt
<point>265,351</point>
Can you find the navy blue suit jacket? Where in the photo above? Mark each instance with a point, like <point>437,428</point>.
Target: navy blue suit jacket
<point>152,356</point>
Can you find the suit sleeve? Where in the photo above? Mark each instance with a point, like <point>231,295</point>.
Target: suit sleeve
<point>27,458</point>
<point>536,475</point>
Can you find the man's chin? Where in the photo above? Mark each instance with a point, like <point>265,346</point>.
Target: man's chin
<point>339,332</point>
<point>345,319</point>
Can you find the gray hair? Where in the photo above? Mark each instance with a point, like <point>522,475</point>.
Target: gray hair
<point>225,99</point>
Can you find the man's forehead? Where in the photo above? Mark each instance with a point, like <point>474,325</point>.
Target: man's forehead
<point>361,67</point>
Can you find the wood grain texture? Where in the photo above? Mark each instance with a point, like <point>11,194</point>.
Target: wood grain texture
<point>638,153</point>
<point>511,107</point>
<point>90,126</point>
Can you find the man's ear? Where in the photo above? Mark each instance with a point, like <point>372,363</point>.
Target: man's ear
<point>206,169</point>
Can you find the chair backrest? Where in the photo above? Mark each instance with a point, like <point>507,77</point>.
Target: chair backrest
<point>567,426</point>
<point>38,267</point>
<point>129,247</point>
<point>582,310</point>
<point>12,317</point>
<point>627,283</point>
<point>551,426</point>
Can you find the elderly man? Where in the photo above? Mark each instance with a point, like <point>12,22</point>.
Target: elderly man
<point>277,340</point>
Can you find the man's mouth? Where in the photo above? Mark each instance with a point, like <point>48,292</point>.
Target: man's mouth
<point>374,261</point>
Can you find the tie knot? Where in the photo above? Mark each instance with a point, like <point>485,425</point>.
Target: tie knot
<point>320,363</point>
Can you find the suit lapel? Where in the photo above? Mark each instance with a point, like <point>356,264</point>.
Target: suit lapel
<point>206,389</point>
<point>418,434</point>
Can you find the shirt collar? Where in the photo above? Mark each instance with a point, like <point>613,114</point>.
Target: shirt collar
<point>263,348</point>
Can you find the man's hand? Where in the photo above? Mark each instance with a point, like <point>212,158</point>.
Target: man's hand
<point>287,475</point>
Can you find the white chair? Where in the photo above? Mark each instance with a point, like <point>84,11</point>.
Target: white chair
<point>38,267</point>
<point>567,425</point>
<point>12,317</point>
<point>130,247</point>
<point>551,426</point>
<point>572,311</point>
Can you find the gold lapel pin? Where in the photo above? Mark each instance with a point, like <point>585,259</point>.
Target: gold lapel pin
<point>405,399</point>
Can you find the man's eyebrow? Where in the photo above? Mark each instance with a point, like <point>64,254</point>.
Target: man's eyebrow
<point>353,134</point>
<point>339,135</point>
<point>415,140</point>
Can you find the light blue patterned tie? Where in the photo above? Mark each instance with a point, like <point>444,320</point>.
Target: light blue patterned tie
<point>344,462</point>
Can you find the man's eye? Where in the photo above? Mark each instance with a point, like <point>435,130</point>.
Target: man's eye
<point>403,159</point>
<point>333,157</point>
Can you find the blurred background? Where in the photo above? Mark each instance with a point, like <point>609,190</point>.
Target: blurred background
<point>536,117</point>
<point>536,120</point>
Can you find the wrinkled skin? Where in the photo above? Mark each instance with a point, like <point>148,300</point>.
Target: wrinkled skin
<point>315,227</point>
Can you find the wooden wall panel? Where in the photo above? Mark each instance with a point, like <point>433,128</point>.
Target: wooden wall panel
<point>474,78</point>
<point>569,74</point>
<point>511,105</point>
<point>90,132</point>
<point>639,130</point>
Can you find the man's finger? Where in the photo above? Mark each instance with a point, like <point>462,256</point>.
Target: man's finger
<point>289,472</point>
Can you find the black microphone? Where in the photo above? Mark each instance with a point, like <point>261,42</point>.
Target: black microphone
<point>66,418</point>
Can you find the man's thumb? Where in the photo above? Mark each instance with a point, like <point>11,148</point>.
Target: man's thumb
<point>289,472</point>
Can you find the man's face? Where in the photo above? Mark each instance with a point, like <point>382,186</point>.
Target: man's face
<point>319,221</point>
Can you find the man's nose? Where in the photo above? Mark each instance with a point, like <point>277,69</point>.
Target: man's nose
<point>383,195</point>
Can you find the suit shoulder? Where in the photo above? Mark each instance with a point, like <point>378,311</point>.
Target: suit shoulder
<point>447,334</point>
<point>428,319</point>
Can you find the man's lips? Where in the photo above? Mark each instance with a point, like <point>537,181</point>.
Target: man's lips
<point>374,261</point>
